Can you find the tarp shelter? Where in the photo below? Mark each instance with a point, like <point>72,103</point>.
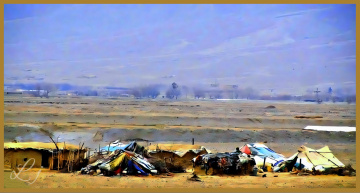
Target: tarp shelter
<point>178,149</point>
<point>45,154</point>
<point>121,160</point>
<point>260,152</point>
<point>177,154</point>
<point>116,145</point>
<point>311,159</point>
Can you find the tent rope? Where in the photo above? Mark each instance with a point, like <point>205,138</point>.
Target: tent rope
<point>327,158</point>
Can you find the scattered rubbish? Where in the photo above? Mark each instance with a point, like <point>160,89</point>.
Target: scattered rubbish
<point>255,170</point>
<point>264,175</point>
<point>303,174</point>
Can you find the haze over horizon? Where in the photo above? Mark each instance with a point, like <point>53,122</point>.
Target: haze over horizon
<point>290,48</point>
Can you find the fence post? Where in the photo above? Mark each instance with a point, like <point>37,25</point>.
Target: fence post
<point>264,164</point>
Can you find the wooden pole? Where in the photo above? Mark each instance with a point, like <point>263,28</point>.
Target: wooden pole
<point>52,160</point>
<point>58,159</point>
<point>82,146</point>
<point>300,164</point>
<point>193,141</point>
<point>264,164</point>
<point>79,153</point>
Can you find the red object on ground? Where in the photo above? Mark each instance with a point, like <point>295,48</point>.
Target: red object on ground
<point>118,171</point>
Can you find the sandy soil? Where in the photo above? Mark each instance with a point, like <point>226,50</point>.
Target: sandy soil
<point>218,125</point>
<point>284,180</point>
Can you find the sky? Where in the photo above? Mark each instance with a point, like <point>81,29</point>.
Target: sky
<point>289,48</point>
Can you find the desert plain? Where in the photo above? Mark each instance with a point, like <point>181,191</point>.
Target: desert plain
<point>219,125</point>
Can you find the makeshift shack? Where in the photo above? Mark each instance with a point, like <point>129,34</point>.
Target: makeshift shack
<point>223,163</point>
<point>176,154</point>
<point>117,145</point>
<point>321,160</point>
<point>45,155</point>
<point>120,161</point>
<point>261,154</point>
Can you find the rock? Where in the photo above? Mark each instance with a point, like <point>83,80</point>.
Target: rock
<point>270,107</point>
<point>303,174</point>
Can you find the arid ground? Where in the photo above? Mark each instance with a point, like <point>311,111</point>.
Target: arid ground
<point>218,125</point>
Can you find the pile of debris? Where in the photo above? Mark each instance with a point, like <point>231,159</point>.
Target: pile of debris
<point>120,161</point>
<point>224,163</point>
<point>174,157</point>
<point>265,157</point>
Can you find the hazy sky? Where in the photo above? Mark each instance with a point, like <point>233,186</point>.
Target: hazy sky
<point>287,47</point>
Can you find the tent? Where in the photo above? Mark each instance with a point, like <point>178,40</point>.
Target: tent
<point>116,145</point>
<point>176,154</point>
<point>322,159</point>
<point>178,149</point>
<point>120,160</point>
<point>260,152</point>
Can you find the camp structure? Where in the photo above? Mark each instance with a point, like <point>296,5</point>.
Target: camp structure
<point>116,145</point>
<point>223,163</point>
<point>44,155</point>
<point>176,154</point>
<point>120,161</point>
<point>263,155</point>
<point>322,160</point>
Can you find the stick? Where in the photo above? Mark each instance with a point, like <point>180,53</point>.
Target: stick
<point>82,146</point>
<point>109,148</point>
<point>54,143</point>
<point>264,163</point>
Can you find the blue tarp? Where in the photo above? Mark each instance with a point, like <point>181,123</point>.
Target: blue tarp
<point>131,166</point>
<point>268,153</point>
<point>113,147</point>
<point>264,152</point>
